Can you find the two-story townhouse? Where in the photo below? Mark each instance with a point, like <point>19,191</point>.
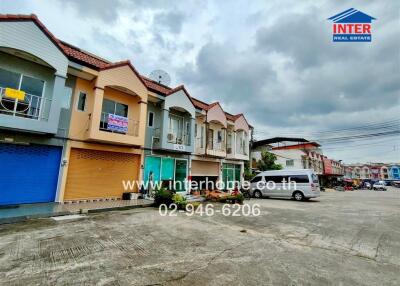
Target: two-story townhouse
<point>188,138</point>
<point>221,145</point>
<point>169,136</point>
<point>34,110</point>
<point>107,129</point>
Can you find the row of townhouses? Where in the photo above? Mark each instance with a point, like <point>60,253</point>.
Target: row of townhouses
<point>299,153</point>
<point>373,171</point>
<point>73,126</point>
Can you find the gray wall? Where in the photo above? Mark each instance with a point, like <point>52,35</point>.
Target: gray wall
<point>54,90</point>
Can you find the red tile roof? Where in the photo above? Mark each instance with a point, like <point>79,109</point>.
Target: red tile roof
<point>199,104</point>
<point>155,86</point>
<point>84,57</point>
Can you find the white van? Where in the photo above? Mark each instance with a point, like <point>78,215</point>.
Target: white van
<point>301,184</point>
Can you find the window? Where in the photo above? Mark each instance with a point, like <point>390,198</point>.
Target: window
<point>202,137</point>
<point>32,85</point>
<point>299,178</point>
<point>9,79</point>
<point>81,104</point>
<point>256,179</point>
<point>210,139</point>
<point>33,88</point>
<point>111,107</point>
<point>195,130</point>
<point>151,119</point>
<point>187,133</point>
<point>290,162</point>
<point>276,179</point>
<point>219,136</point>
<point>175,127</point>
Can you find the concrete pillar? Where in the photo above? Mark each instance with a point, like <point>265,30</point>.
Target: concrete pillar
<point>98,95</point>
<point>165,129</point>
<point>56,101</point>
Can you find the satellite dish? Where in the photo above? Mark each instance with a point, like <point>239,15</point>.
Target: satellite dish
<point>160,76</point>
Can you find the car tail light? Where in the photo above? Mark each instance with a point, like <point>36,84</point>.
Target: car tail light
<point>312,185</point>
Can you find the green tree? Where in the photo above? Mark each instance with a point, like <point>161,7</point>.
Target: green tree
<point>267,162</point>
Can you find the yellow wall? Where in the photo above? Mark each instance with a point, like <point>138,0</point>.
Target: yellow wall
<point>85,125</point>
<point>80,119</point>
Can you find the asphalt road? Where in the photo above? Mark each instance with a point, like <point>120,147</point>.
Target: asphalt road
<point>350,238</point>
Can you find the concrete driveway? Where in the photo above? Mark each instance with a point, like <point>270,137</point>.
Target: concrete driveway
<point>350,238</point>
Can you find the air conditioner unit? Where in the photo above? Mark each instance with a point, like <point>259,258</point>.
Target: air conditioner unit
<point>171,137</point>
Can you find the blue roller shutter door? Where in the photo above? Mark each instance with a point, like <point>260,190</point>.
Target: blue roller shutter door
<point>28,173</point>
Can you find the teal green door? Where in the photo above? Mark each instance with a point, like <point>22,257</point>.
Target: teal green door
<point>152,168</point>
<point>230,175</point>
<point>180,174</point>
<point>167,169</point>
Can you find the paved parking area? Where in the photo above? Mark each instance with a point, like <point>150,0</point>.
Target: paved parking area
<point>350,238</point>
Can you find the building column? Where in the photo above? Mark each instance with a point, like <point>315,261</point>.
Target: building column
<point>164,130</point>
<point>192,134</point>
<point>142,120</point>
<point>63,174</point>
<point>98,95</point>
<point>56,101</point>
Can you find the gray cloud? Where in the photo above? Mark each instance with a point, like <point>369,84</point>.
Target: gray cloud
<point>103,9</point>
<point>171,21</point>
<point>325,77</point>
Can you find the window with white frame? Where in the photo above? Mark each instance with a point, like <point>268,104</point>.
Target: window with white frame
<point>179,129</point>
<point>33,101</point>
<point>111,107</point>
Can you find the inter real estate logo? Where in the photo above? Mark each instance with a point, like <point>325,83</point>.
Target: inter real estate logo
<point>352,26</point>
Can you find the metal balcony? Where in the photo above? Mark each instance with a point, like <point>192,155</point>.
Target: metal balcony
<point>32,106</point>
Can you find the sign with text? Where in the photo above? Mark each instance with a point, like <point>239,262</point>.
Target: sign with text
<point>117,123</point>
<point>179,147</point>
<point>14,93</point>
<point>352,26</point>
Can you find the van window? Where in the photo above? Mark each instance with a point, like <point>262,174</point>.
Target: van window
<point>315,178</point>
<point>276,179</point>
<point>299,178</point>
<point>256,179</point>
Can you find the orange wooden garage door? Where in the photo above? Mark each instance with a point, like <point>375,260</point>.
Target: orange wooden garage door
<point>99,174</point>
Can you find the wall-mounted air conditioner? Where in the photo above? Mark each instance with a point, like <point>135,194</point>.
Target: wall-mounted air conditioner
<point>171,137</point>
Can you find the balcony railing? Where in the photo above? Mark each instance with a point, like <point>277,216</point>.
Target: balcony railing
<point>217,146</point>
<point>200,143</point>
<point>32,106</point>
<point>183,139</point>
<point>131,129</point>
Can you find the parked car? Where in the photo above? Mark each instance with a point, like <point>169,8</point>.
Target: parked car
<point>367,185</point>
<point>379,186</point>
<point>303,184</point>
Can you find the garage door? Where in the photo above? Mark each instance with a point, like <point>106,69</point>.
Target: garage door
<point>203,168</point>
<point>28,173</point>
<point>96,174</point>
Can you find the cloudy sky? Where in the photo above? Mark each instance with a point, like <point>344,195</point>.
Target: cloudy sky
<point>272,60</point>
